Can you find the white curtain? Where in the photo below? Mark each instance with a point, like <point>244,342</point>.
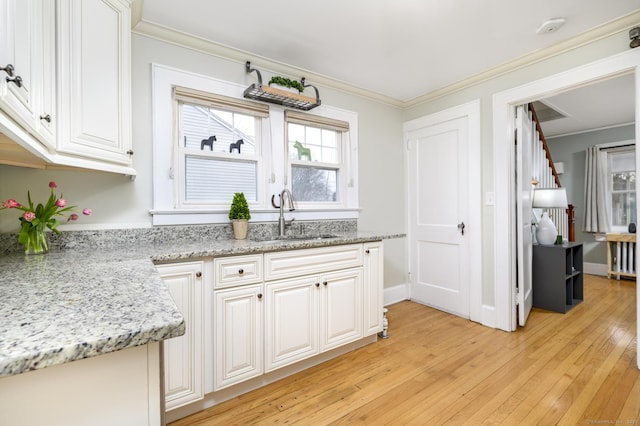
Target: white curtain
<point>597,203</point>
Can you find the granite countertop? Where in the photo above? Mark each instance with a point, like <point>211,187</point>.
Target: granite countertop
<point>72,304</point>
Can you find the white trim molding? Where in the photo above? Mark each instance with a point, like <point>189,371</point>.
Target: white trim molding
<point>158,32</point>
<point>504,104</point>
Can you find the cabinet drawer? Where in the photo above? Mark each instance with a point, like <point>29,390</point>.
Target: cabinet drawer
<point>237,270</point>
<point>310,261</point>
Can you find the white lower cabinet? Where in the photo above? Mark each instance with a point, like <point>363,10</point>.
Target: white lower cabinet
<point>238,318</point>
<point>265,312</point>
<point>340,308</point>
<point>291,321</point>
<point>309,315</point>
<point>373,287</point>
<point>184,355</point>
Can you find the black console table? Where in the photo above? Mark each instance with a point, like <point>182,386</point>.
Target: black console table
<point>557,276</point>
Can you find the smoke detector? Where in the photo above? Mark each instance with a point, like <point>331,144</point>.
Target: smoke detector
<point>550,25</point>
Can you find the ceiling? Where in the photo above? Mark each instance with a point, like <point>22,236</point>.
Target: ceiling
<point>604,104</point>
<point>400,49</point>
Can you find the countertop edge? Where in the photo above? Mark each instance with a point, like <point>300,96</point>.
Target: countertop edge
<point>30,359</point>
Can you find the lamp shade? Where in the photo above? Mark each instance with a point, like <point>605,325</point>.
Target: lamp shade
<point>549,198</point>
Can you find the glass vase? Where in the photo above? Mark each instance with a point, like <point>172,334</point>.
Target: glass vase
<point>35,243</point>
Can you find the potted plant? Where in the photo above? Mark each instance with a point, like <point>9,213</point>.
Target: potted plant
<point>239,214</point>
<point>286,82</point>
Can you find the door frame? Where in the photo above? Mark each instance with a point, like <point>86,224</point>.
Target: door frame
<point>504,104</point>
<point>470,111</point>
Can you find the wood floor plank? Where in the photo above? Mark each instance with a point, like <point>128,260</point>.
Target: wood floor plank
<point>435,368</point>
<point>541,363</point>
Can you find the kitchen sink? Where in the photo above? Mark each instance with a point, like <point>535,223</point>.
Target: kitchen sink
<point>302,237</point>
<point>308,237</point>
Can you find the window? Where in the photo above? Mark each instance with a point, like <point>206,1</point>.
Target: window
<point>195,175</point>
<point>316,151</point>
<point>219,147</point>
<point>622,187</point>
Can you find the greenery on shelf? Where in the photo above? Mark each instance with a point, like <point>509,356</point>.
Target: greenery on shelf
<point>239,207</point>
<point>285,82</point>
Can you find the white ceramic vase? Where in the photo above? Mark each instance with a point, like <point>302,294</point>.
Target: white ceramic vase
<point>240,228</point>
<point>546,231</point>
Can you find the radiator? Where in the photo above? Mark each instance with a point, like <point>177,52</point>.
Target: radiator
<point>625,257</point>
<point>621,255</point>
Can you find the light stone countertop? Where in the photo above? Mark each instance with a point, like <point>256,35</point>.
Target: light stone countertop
<point>72,304</point>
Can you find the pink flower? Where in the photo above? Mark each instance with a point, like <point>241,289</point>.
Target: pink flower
<point>87,212</point>
<point>61,202</point>
<point>52,184</point>
<point>29,216</point>
<point>11,204</point>
<point>72,217</point>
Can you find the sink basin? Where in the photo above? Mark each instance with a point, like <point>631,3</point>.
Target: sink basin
<point>306,237</point>
<point>302,237</point>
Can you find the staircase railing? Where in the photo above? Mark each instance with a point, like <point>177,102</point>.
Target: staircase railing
<point>548,178</point>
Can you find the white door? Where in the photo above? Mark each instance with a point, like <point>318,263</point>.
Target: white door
<point>524,237</point>
<point>438,215</point>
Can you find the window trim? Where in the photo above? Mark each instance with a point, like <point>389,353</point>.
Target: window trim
<point>165,211</point>
<point>612,149</point>
<point>181,95</point>
<point>342,129</point>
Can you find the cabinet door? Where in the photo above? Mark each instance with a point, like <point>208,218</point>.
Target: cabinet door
<point>19,48</point>
<point>341,308</point>
<point>373,283</point>
<point>46,113</point>
<point>183,360</point>
<point>94,79</point>
<point>291,321</point>
<point>237,335</point>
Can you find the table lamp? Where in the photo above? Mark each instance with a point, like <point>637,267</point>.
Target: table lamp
<point>547,198</point>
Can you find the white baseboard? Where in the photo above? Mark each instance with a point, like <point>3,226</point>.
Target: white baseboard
<point>396,294</point>
<point>595,268</point>
<point>489,316</point>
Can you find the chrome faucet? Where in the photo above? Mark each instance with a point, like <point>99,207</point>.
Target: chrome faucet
<point>283,223</point>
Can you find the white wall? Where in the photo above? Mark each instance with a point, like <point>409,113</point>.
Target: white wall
<point>119,202</point>
<point>484,90</point>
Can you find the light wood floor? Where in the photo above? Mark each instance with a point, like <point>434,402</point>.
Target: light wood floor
<point>573,369</point>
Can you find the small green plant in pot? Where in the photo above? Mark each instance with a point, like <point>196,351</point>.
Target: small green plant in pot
<point>239,214</point>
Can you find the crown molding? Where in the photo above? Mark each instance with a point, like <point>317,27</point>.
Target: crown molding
<point>605,30</point>
<point>169,35</point>
<point>179,38</point>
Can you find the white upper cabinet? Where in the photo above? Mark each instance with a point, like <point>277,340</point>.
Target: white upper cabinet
<point>94,42</point>
<point>26,53</point>
<point>68,85</point>
<point>47,116</point>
